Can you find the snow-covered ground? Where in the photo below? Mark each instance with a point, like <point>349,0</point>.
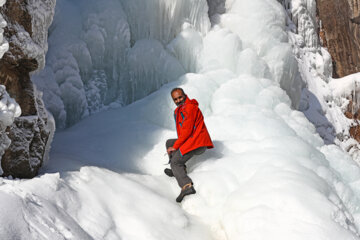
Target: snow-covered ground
<point>270,175</point>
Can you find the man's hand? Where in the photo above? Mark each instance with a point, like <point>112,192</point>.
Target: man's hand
<point>170,150</point>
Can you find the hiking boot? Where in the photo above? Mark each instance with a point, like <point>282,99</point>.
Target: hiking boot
<point>168,172</point>
<point>186,190</point>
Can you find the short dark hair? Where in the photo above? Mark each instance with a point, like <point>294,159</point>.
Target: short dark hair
<point>177,89</point>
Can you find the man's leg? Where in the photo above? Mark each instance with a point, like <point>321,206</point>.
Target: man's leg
<point>169,143</point>
<point>178,167</point>
<point>177,164</point>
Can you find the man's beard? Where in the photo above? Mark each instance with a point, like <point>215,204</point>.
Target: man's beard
<point>181,103</point>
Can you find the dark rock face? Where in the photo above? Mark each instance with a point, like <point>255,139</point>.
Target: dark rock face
<point>340,33</point>
<point>31,133</point>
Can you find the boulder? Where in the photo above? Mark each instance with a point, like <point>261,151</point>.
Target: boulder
<point>31,133</point>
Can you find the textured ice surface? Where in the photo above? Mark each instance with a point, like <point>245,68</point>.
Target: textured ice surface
<point>92,41</point>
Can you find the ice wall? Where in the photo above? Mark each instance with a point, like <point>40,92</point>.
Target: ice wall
<point>111,53</point>
<point>267,52</point>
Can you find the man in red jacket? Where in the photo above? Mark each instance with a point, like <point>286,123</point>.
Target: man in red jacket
<point>193,139</point>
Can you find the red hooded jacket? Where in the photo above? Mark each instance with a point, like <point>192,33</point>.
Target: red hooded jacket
<point>190,127</point>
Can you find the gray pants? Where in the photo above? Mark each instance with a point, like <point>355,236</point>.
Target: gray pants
<point>177,162</point>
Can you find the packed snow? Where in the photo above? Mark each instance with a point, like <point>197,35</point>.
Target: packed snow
<point>270,175</point>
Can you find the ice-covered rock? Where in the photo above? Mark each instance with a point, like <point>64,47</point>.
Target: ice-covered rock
<point>9,110</point>
<point>31,133</point>
<point>324,100</point>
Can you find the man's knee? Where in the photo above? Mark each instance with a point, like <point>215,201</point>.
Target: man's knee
<point>177,159</point>
<point>170,143</point>
<point>172,164</point>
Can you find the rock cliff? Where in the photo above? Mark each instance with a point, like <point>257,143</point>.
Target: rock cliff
<point>31,133</point>
<point>339,30</point>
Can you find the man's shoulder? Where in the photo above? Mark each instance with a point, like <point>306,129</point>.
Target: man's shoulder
<point>190,106</point>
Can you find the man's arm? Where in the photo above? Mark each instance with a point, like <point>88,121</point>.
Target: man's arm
<point>170,150</point>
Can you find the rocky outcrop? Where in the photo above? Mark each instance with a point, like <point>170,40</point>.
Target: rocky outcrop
<point>31,133</point>
<point>340,33</point>
<point>9,110</point>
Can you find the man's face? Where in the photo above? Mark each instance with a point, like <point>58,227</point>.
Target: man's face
<point>178,97</point>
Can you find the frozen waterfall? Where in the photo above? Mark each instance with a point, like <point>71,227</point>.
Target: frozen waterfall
<point>270,175</point>
<point>111,53</point>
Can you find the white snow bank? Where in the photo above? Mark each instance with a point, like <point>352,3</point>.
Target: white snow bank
<point>346,86</point>
<point>266,177</point>
<point>73,207</point>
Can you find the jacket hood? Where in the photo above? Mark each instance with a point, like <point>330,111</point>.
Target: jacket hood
<point>191,101</point>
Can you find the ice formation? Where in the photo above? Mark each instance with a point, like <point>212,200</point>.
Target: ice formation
<point>113,53</point>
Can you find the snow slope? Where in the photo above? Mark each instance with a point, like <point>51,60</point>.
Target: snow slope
<point>270,175</point>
